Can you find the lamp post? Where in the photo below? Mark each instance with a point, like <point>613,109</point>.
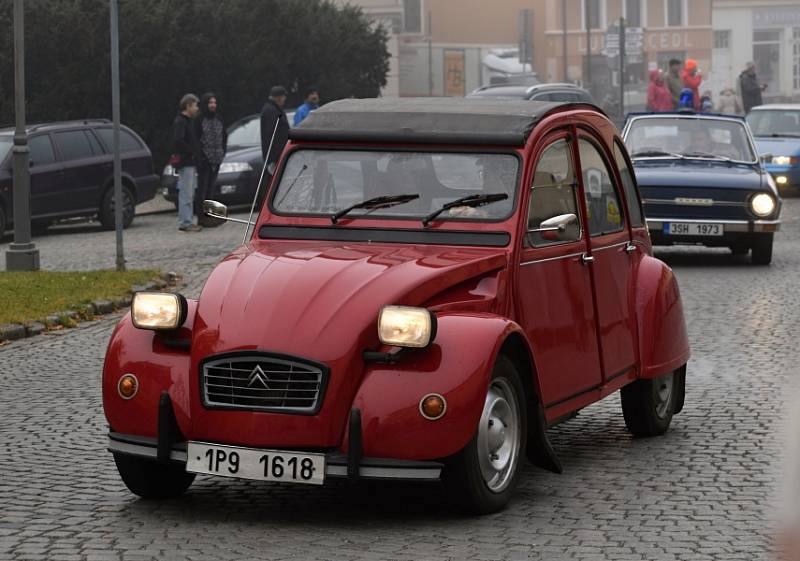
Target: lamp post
<point>118,203</point>
<point>588,17</point>
<point>22,254</point>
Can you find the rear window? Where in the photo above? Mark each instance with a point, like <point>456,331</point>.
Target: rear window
<point>127,142</point>
<point>73,145</point>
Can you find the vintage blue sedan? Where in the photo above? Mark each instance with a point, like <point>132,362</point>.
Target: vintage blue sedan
<point>702,182</point>
<point>776,129</point>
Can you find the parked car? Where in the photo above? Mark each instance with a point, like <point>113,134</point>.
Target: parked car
<point>703,183</point>
<point>71,167</point>
<point>239,172</point>
<point>430,284</point>
<point>537,92</point>
<point>776,129</point>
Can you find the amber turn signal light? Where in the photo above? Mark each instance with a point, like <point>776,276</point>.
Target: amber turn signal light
<point>433,406</point>
<point>127,386</point>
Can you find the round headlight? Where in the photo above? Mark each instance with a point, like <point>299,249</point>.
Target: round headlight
<point>403,326</point>
<point>762,204</point>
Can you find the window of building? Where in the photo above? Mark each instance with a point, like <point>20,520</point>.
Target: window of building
<point>633,13</point>
<point>675,13</point>
<point>796,59</point>
<point>722,39</point>
<point>412,16</point>
<point>767,56</point>
<point>596,13</point>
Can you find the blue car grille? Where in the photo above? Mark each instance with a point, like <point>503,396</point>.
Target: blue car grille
<point>727,204</point>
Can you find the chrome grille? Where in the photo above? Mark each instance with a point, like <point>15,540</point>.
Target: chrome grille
<point>262,382</point>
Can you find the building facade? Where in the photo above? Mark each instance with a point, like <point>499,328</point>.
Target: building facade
<point>766,32</point>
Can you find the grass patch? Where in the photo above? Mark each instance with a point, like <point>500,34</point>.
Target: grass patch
<point>32,296</point>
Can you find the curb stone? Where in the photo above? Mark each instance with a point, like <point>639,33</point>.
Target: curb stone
<point>100,307</point>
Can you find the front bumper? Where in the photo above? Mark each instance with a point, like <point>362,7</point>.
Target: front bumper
<point>736,232</point>
<point>170,447</point>
<point>738,226</point>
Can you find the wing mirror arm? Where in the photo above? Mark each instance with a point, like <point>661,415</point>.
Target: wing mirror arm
<point>219,211</point>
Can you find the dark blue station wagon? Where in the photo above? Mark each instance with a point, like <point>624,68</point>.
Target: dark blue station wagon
<point>702,182</point>
<point>71,167</point>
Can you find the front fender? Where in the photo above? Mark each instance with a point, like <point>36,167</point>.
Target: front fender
<point>458,365</point>
<point>663,342</point>
<point>157,367</point>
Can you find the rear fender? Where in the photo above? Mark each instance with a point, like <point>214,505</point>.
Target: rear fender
<point>158,369</point>
<point>458,365</point>
<point>663,342</point>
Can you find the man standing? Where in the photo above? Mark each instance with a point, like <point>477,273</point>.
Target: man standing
<point>213,138</point>
<point>272,116</point>
<point>674,82</point>
<point>186,154</point>
<point>311,103</point>
<point>750,88</point>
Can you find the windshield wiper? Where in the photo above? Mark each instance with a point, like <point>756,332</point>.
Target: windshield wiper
<point>469,200</point>
<point>707,156</point>
<point>384,201</point>
<point>654,154</point>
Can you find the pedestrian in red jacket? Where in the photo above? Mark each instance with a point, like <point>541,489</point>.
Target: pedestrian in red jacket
<point>692,78</point>
<point>659,98</point>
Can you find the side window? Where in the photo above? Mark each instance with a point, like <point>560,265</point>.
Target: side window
<point>127,142</point>
<point>73,145</point>
<point>544,96</point>
<point>602,202</point>
<point>97,150</point>
<point>629,184</point>
<point>553,194</point>
<point>41,150</point>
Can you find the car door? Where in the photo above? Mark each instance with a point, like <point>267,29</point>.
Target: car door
<point>554,288</point>
<point>84,171</point>
<point>46,176</point>
<point>611,258</point>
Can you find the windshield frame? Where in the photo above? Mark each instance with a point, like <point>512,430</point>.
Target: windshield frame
<point>756,111</point>
<point>651,116</point>
<point>376,215</point>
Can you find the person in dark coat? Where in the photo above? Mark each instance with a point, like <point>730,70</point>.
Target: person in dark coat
<point>272,116</point>
<point>750,88</point>
<point>210,132</point>
<point>185,156</point>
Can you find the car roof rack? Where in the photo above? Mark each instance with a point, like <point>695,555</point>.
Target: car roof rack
<point>55,124</point>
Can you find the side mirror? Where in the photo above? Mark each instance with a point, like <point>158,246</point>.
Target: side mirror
<point>766,158</point>
<point>556,224</point>
<point>219,211</point>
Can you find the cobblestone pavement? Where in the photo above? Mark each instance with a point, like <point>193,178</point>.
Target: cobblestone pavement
<point>704,491</point>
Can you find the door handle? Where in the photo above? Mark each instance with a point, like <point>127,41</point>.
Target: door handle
<point>630,248</point>
<point>587,259</point>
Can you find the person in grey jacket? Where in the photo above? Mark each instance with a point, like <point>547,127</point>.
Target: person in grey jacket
<point>750,88</point>
<point>674,81</point>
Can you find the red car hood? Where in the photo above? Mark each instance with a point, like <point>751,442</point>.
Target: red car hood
<point>319,299</point>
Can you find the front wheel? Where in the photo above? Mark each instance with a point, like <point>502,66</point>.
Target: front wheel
<point>152,480</point>
<point>481,478</point>
<point>762,249</point>
<point>106,214</point>
<point>648,405</point>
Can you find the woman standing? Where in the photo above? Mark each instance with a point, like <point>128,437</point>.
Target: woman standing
<point>213,139</point>
<point>659,97</point>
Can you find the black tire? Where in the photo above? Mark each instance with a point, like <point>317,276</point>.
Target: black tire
<point>647,405</point>
<point>463,475</point>
<point>152,480</point>
<point>762,249</point>
<point>106,213</point>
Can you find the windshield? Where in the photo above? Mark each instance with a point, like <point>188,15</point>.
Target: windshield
<point>6,142</point>
<point>318,182</point>
<point>775,122</point>
<point>246,133</point>
<point>696,138</point>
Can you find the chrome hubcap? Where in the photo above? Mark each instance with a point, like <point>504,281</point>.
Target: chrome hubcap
<point>663,387</point>
<point>499,436</point>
